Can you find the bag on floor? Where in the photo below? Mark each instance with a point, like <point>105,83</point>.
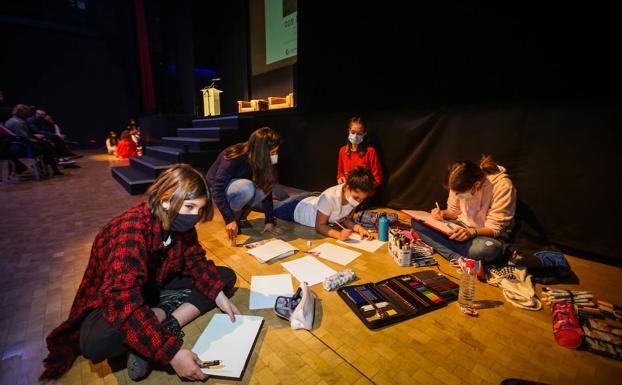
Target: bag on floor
<point>299,310</point>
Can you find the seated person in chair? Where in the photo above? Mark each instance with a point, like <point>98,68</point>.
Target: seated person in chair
<point>18,126</point>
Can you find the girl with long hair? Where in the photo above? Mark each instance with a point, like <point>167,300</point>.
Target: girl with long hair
<point>243,176</point>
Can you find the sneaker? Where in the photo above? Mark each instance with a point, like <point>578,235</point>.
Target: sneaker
<point>244,224</point>
<point>137,367</point>
<point>497,274</point>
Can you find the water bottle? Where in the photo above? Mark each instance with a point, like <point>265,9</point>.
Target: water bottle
<point>467,283</point>
<point>383,228</point>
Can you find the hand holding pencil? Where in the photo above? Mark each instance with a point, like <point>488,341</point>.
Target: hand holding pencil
<point>437,213</point>
<point>344,234</point>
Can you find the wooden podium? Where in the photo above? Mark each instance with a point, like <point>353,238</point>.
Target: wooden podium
<point>211,101</point>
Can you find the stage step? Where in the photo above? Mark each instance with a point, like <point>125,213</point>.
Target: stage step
<point>150,165</point>
<point>201,132</point>
<point>170,154</point>
<point>191,144</point>
<point>224,121</point>
<point>198,146</point>
<point>133,180</point>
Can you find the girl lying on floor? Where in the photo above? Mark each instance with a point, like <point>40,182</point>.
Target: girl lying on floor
<point>335,205</point>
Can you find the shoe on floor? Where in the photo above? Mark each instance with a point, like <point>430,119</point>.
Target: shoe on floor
<point>244,224</point>
<point>137,367</point>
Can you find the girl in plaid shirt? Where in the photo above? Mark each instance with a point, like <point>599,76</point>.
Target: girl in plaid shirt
<point>146,278</point>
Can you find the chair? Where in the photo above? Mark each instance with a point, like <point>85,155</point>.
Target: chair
<point>33,162</point>
<point>253,105</point>
<point>276,102</point>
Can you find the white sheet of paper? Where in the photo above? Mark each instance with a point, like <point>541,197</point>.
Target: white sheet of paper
<point>265,289</point>
<point>308,269</point>
<point>335,253</point>
<point>363,244</point>
<point>273,249</point>
<point>229,342</point>
<point>426,217</point>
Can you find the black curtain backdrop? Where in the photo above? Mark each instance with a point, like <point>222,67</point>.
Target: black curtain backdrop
<point>84,75</point>
<point>563,160</point>
<point>535,85</point>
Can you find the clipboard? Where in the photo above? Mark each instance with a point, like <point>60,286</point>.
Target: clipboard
<point>425,217</point>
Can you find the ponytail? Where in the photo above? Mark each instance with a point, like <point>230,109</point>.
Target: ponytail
<point>488,165</point>
<point>462,175</point>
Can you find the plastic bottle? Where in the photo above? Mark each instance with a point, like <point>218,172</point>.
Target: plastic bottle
<point>383,228</point>
<point>467,283</point>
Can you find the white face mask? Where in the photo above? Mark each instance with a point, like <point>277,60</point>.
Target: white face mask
<point>274,158</point>
<point>353,202</point>
<point>355,139</point>
<point>465,196</point>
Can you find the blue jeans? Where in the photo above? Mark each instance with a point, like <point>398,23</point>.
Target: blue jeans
<point>481,248</point>
<point>243,192</point>
<point>285,209</point>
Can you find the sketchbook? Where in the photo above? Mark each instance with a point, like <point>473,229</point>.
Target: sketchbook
<point>266,288</point>
<point>426,218</point>
<point>270,249</point>
<point>229,342</point>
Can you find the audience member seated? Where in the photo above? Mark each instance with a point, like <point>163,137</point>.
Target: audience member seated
<point>18,126</point>
<point>11,150</point>
<point>111,143</point>
<point>126,147</point>
<point>44,128</point>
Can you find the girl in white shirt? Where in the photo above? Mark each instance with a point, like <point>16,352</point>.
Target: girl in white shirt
<point>335,205</point>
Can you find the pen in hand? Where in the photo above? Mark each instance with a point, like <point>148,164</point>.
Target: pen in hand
<point>207,364</point>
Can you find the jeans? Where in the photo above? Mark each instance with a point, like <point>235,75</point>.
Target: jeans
<point>285,209</point>
<point>481,248</point>
<point>242,192</point>
<point>99,340</point>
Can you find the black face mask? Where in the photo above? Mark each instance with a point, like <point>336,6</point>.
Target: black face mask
<point>184,222</point>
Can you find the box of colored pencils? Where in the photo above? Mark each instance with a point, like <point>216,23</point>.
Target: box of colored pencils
<point>407,250</point>
<point>398,298</point>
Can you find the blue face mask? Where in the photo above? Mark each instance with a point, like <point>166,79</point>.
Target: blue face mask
<point>184,222</point>
<point>355,139</point>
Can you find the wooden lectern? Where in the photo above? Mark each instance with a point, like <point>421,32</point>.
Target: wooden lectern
<point>211,101</point>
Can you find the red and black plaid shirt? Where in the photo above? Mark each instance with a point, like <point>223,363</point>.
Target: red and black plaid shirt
<point>127,254</point>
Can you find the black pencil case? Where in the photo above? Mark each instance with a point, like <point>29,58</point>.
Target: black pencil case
<point>395,299</point>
